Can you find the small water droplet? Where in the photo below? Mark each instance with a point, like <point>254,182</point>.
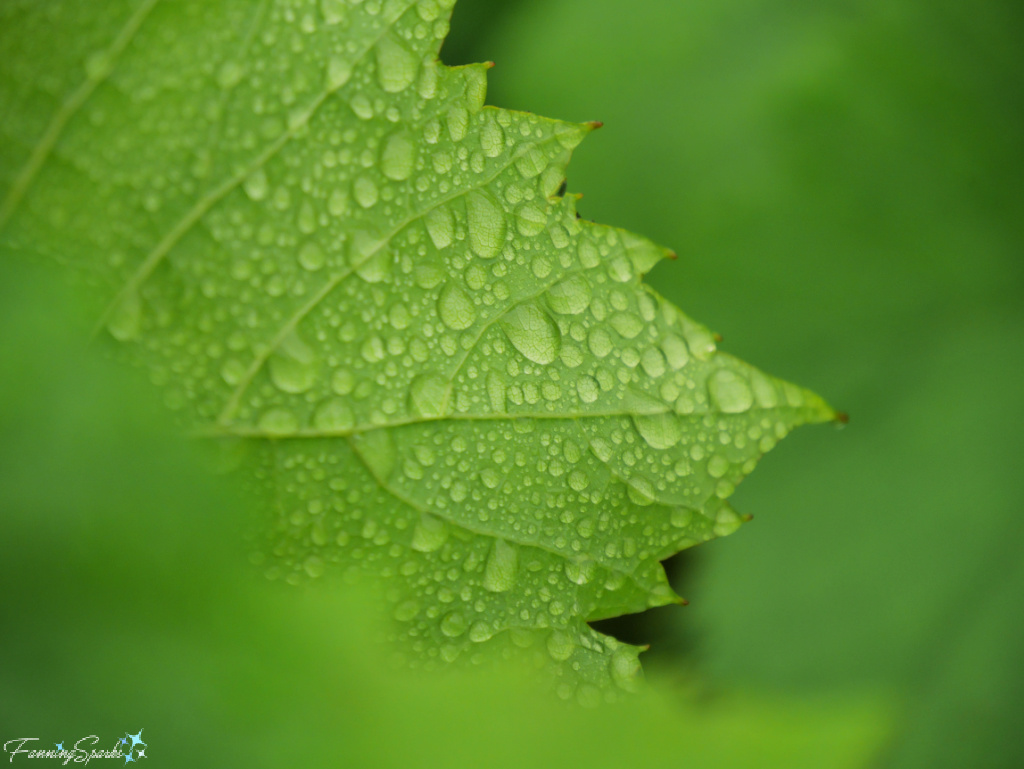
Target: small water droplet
<point>333,11</point>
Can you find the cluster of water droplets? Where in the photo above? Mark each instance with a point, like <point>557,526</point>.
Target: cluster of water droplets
<point>325,243</point>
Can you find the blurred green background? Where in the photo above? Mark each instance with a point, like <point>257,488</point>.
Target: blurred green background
<point>843,183</point>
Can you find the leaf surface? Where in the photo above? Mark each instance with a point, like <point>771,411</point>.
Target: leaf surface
<point>335,260</point>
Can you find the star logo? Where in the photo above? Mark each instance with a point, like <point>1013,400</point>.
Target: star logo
<point>136,739</point>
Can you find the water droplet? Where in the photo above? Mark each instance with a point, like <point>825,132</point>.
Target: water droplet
<point>486,224</point>
<point>333,415</point>
<point>256,185</point>
<point>492,139</point>
<point>455,308</point>
<point>406,611</point>
<point>660,431</point>
<point>458,123</point>
<point>307,218</point>
<point>627,324</point>
<point>640,490</point>
<point>600,342</point>
<point>533,333</point>
<point>343,381</point>
<point>571,296</point>
<point>500,572</point>
<point>624,668</point>
<point>602,449</point>
<point>339,70</point>
<point>396,65</point>
<point>653,362</point>
<point>441,227</point>
<point>530,220</point>
<point>125,322</point>
<point>580,572</point>
<point>375,268</point>
<point>730,392</point>
<point>292,365</point>
<point>333,11</point>
<point>718,466</point>
<point>430,534</point>
<point>454,625</point>
<point>578,480</point>
<point>365,192</point>
<point>398,157</point>
<point>496,392</point>
<point>480,632</point>
<point>764,391</point>
<point>560,645</point>
<point>230,74</point>
<point>588,389</point>
<point>428,395</point>
<point>311,256</point>
<point>675,351</point>
<point>313,566</point>
<point>278,422</point>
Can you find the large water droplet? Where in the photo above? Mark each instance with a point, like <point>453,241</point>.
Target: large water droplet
<point>533,333</point>
<point>398,157</point>
<point>311,256</point>
<point>441,227</point>
<point>429,534</point>
<point>396,65</point>
<point>454,625</point>
<point>455,308</point>
<point>500,572</point>
<point>730,392</point>
<point>660,431</point>
<point>278,422</point>
<point>624,668</point>
<point>571,296</point>
<point>339,70</point>
<point>428,395</point>
<point>486,223</point>
<point>333,415</point>
<point>293,365</point>
<point>560,645</point>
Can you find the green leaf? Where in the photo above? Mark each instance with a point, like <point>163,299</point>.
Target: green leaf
<point>337,262</point>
